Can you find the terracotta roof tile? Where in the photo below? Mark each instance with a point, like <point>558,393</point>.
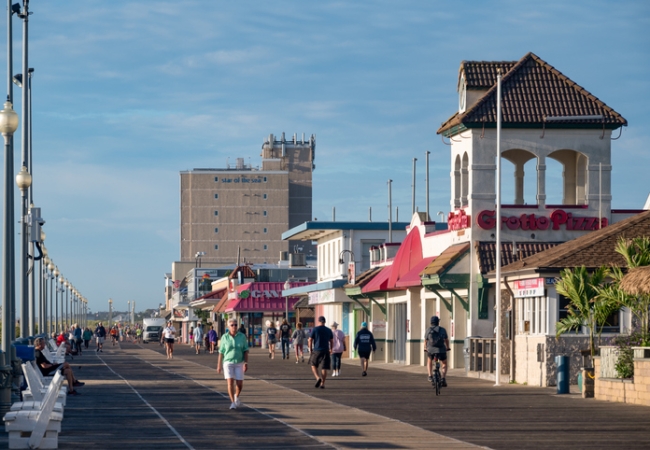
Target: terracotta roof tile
<point>591,250</point>
<point>483,74</point>
<point>487,254</point>
<point>532,90</point>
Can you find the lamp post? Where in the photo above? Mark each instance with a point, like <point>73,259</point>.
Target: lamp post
<point>24,181</point>
<point>128,308</point>
<point>110,311</point>
<point>42,305</point>
<point>352,269</point>
<point>56,298</point>
<point>287,286</point>
<point>8,125</point>
<point>50,276</point>
<point>198,257</point>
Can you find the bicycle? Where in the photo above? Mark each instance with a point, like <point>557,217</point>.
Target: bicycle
<point>437,376</point>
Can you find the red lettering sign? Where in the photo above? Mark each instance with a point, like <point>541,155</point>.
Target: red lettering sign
<point>458,220</point>
<point>487,220</point>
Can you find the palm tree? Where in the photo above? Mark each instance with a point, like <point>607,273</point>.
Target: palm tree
<point>586,308</point>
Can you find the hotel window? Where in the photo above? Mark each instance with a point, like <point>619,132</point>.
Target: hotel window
<point>216,196</point>
<point>265,179</point>
<point>265,230</point>
<point>216,213</point>
<point>216,179</point>
<point>264,213</point>
<point>216,230</point>
<point>264,196</point>
<point>266,247</point>
<point>216,246</point>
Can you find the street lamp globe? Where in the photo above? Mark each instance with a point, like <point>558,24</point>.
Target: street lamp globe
<point>61,279</point>
<point>50,265</point>
<point>8,120</point>
<point>23,179</point>
<point>43,235</point>
<point>56,271</point>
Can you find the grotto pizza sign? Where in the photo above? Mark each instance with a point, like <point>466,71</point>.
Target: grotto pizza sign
<point>558,220</point>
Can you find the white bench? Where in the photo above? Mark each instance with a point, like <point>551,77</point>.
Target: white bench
<point>38,428</point>
<point>54,354</point>
<point>35,390</point>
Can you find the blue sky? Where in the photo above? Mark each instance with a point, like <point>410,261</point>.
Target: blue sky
<point>127,94</point>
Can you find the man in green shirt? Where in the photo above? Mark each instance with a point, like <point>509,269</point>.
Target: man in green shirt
<point>233,358</point>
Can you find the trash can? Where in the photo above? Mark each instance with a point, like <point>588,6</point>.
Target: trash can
<point>562,363</point>
<point>466,352</point>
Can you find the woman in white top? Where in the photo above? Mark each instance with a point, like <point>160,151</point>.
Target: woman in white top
<point>168,334</point>
<point>337,349</point>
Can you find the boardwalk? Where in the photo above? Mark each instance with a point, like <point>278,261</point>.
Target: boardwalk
<point>135,397</point>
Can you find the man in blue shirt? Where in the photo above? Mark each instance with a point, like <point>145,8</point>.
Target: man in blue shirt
<point>364,343</point>
<point>321,342</point>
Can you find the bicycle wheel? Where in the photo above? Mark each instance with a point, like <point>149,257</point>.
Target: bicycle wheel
<point>437,383</point>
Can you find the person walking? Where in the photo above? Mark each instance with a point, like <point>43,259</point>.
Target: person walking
<point>299,342</point>
<point>271,339</point>
<point>212,338</point>
<point>100,335</point>
<point>233,360</point>
<point>77,333</point>
<point>437,346</point>
<point>87,336</point>
<point>337,349</point>
<point>169,333</point>
<point>365,343</point>
<point>285,336</point>
<point>320,345</point>
<point>198,337</point>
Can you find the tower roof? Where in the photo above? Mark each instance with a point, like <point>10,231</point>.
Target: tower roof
<point>531,90</point>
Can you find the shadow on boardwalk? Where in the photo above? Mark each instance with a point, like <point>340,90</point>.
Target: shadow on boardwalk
<point>135,397</point>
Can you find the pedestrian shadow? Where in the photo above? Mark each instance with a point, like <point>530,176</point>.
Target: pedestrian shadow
<point>367,444</point>
<point>332,432</point>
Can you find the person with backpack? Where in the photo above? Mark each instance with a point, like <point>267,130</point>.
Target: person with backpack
<point>437,346</point>
<point>364,343</point>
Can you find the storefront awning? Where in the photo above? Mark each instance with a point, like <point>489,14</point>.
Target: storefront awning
<point>379,282</point>
<point>413,278</point>
<point>210,299</point>
<point>261,304</point>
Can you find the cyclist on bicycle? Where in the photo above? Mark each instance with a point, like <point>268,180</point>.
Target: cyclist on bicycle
<point>437,346</point>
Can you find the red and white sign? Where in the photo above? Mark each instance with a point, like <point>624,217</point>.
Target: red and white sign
<point>352,273</point>
<point>458,220</point>
<point>533,287</point>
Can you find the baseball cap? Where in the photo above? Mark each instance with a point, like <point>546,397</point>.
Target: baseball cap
<point>364,325</point>
<point>321,319</point>
<point>435,320</point>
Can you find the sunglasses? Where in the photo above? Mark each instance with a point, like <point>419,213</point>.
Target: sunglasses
<point>232,325</point>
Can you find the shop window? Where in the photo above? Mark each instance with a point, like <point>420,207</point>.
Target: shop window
<point>613,323</point>
<point>533,315</point>
<point>563,304</point>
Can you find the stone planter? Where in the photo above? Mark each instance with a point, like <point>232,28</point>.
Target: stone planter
<point>641,352</point>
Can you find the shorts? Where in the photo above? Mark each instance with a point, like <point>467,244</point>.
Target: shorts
<point>441,356</point>
<point>272,342</point>
<point>100,340</point>
<point>50,370</point>
<point>169,340</point>
<point>320,359</point>
<point>364,355</point>
<point>198,342</point>
<point>233,370</point>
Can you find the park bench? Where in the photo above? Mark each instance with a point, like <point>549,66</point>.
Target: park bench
<point>37,428</point>
<point>54,354</point>
<point>35,390</point>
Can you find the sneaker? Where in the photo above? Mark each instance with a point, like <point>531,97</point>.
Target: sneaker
<point>363,374</point>
<point>430,378</point>
<point>73,393</point>
<point>444,383</point>
<point>296,362</point>
<point>237,402</point>
<point>97,350</point>
<point>269,355</point>
<point>233,405</point>
<point>78,383</point>
<point>318,383</point>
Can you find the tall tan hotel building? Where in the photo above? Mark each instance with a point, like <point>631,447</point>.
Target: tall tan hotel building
<point>247,209</point>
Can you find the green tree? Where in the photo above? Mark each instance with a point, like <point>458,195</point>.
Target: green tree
<point>636,252</point>
<point>586,308</point>
<point>202,315</point>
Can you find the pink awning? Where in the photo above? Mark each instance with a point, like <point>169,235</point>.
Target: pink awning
<point>379,282</point>
<point>412,278</point>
